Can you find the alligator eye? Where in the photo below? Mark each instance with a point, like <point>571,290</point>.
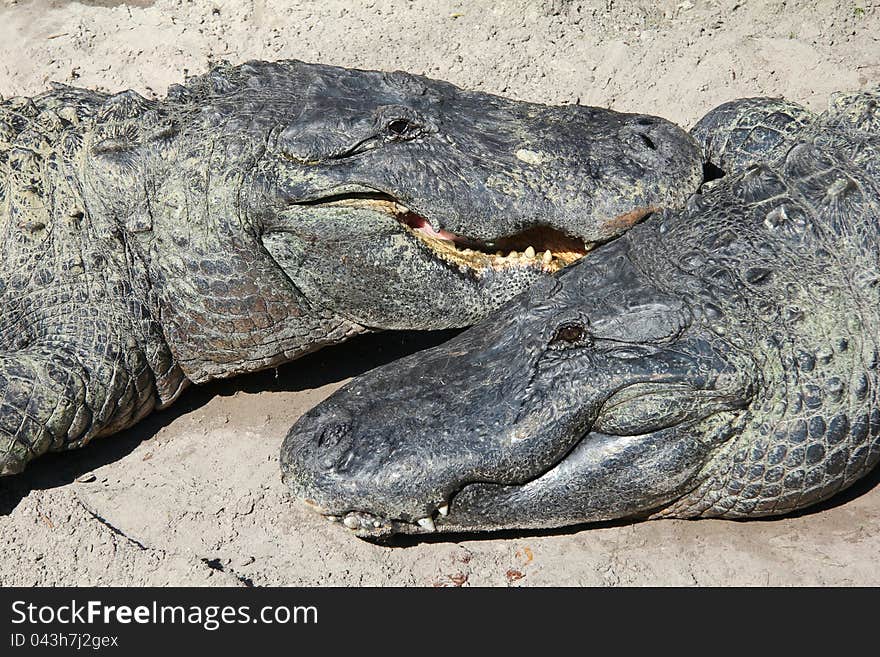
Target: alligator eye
<point>569,334</point>
<point>400,128</point>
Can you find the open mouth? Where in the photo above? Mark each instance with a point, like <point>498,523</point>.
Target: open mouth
<point>543,248</point>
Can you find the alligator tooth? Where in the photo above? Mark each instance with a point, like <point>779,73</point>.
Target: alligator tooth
<point>402,209</point>
<point>377,524</point>
<point>427,523</point>
<point>548,257</point>
<point>500,254</point>
<point>332,518</point>
<point>529,252</point>
<point>443,510</point>
<point>351,522</point>
<point>513,254</point>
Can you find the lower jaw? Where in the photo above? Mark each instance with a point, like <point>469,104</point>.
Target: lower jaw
<point>369,525</point>
<point>547,261</point>
<point>543,249</point>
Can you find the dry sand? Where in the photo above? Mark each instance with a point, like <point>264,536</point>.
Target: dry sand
<point>192,495</point>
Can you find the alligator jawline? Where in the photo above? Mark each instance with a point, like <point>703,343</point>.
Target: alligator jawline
<point>543,248</point>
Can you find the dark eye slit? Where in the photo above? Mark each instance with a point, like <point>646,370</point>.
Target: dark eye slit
<point>399,127</point>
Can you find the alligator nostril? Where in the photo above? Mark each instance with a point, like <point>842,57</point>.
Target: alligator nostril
<point>647,141</point>
<point>331,434</point>
<point>645,120</point>
<point>330,448</point>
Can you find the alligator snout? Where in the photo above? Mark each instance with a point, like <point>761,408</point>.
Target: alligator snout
<point>332,445</point>
<point>324,446</point>
<point>342,468</point>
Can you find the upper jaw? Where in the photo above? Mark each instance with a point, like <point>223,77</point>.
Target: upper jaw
<point>363,492</point>
<point>348,501</point>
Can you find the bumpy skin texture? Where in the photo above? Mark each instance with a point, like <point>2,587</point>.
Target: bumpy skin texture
<point>718,361</point>
<point>744,132</point>
<point>234,226</point>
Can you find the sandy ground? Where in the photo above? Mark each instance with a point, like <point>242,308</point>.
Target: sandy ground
<point>193,496</point>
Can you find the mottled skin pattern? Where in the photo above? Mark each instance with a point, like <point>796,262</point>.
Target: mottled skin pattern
<point>749,131</point>
<point>718,361</point>
<point>248,218</point>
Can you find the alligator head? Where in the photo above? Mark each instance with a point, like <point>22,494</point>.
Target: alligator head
<point>403,202</point>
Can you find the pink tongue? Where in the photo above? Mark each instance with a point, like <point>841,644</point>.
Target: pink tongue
<point>418,223</point>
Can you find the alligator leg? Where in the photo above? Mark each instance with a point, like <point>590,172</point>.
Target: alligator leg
<point>56,396</point>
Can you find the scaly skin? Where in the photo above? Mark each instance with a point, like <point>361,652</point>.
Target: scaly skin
<point>718,361</point>
<point>257,214</point>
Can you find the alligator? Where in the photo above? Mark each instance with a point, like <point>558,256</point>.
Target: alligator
<point>259,212</point>
<point>718,360</point>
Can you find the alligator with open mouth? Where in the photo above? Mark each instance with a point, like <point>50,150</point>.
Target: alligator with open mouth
<point>262,211</point>
<point>720,360</point>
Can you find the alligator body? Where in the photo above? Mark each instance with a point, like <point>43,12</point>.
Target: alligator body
<point>262,211</point>
<point>717,361</point>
